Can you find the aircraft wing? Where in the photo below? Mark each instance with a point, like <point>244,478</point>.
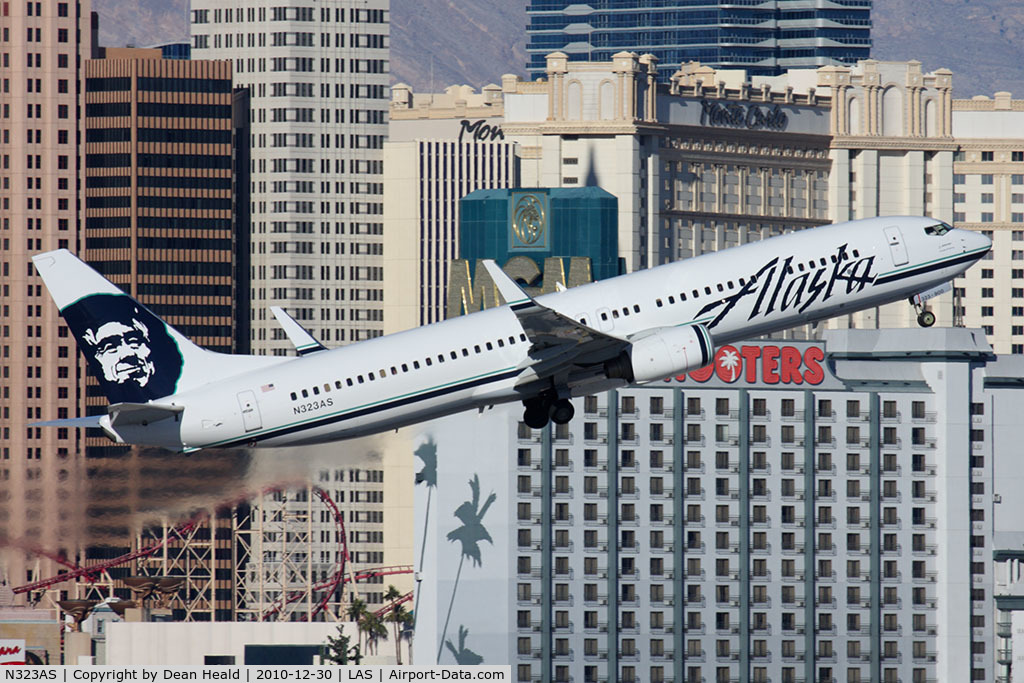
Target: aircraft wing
<point>304,342</point>
<point>559,342</point>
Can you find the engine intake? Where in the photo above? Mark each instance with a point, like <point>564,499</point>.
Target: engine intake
<point>663,353</point>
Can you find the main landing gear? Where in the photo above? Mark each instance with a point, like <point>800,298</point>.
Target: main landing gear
<point>541,409</point>
<point>925,318</point>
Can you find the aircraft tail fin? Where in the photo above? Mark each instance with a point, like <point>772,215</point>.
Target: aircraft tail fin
<point>135,355</point>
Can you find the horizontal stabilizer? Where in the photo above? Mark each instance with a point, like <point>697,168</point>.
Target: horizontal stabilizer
<point>304,342</point>
<point>122,414</point>
<point>87,422</point>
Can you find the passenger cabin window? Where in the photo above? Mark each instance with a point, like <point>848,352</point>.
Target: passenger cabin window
<point>305,394</point>
<point>294,396</point>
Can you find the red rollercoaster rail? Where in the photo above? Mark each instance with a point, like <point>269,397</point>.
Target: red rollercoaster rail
<point>327,587</point>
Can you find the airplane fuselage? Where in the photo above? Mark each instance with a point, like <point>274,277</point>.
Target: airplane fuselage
<point>485,358</point>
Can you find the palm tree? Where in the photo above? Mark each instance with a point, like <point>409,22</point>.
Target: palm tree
<point>396,616</point>
<point>399,618</point>
<point>472,531</point>
<point>356,610</point>
<point>374,629</point>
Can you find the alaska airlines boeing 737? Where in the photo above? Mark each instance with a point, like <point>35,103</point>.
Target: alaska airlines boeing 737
<point>637,328</point>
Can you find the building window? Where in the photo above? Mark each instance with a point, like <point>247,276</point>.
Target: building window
<point>988,156</point>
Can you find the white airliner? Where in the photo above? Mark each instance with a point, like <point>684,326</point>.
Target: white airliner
<point>642,327</point>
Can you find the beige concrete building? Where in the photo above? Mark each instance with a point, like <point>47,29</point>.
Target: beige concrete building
<point>440,148</point>
<point>44,46</point>
<point>891,150</point>
<point>718,158</point>
<point>988,195</point>
<point>318,78</point>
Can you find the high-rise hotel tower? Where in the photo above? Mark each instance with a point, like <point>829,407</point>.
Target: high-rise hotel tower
<point>43,47</point>
<point>318,80</point>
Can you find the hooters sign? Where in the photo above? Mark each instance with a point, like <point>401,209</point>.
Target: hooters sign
<point>12,651</point>
<point>791,366</point>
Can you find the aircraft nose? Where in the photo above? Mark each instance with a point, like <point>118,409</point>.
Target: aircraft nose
<point>976,241</point>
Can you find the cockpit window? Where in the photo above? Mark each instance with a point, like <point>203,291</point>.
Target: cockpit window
<point>937,230</point>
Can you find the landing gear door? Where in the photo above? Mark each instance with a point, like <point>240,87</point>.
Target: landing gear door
<point>250,411</point>
<point>896,245</point>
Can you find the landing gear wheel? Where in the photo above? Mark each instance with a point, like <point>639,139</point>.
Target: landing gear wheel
<point>536,414</point>
<point>926,319</point>
<point>562,411</point>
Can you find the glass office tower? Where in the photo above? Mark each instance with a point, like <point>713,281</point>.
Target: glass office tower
<point>765,38</point>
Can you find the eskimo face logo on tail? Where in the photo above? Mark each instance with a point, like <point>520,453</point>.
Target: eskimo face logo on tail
<point>783,286</point>
<point>128,348</point>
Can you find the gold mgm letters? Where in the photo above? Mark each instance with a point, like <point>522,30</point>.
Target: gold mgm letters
<point>467,296</point>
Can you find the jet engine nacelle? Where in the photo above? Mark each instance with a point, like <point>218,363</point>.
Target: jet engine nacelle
<point>663,353</point>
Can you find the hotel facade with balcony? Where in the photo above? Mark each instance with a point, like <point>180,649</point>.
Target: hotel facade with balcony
<point>802,511</point>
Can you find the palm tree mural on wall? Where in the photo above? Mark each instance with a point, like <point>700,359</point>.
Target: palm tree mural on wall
<point>464,655</point>
<point>427,452</point>
<point>469,536</point>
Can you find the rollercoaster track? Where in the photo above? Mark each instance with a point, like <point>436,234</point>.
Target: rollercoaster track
<point>339,518</point>
<point>337,578</point>
<point>330,583</point>
<point>91,572</point>
<point>392,605</point>
<point>326,587</point>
